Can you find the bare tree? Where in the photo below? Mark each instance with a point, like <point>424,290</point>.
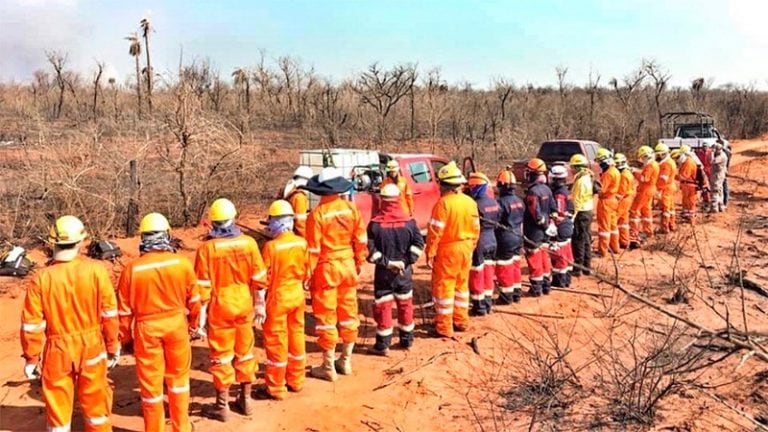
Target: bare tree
<point>382,90</point>
<point>329,113</point>
<point>660,80</point>
<point>58,60</point>
<point>243,82</point>
<point>562,85</point>
<point>135,51</point>
<point>146,28</point>
<point>436,99</point>
<point>97,86</point>
<point>593,88</point>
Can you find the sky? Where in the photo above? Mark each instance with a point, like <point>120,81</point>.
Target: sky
<point>469,40</point>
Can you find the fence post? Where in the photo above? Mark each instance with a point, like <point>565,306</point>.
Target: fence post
<point>133,206</point>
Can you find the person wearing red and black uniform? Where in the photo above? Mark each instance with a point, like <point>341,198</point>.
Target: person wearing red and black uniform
<point>394,245</point>
<point>562,254</point>
<point>509,239</point>
<point>537,226</point>
<point>481,274</point>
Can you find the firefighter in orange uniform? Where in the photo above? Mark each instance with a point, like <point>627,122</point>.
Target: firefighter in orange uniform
<point>689,184</point>
<point>287,261</point>
<point>229,268</point>
<point>607,204</point>
<point>70,314</point>
<point>299,198</point>
<point>338,247</point>
<point>641,212</point>
<point>627,191</point>
<point>156,291</point>
<point>666,187</point>
<point>396,178</point>
<point>451,238</point>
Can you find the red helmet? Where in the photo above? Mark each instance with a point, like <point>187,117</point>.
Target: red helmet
<point>536,165</point>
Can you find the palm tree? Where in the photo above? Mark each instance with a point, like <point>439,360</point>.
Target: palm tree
<point>135,51</point>
<point>240,76</point>
<point>145,29</point>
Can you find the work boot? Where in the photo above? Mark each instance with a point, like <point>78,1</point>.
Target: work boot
<point>326,371</point>
<point>344,363</point>
<point>243,402</point>
<point>517,293</point>
<point>220,409</point>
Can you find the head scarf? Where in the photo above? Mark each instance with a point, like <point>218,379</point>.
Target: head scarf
<point>155,241</point>
<point>478,191</point>
<point>391,211</point>
<point>222,229</point>
<point>279,225</point>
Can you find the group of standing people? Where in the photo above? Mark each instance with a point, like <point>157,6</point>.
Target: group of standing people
<point>75,325</point>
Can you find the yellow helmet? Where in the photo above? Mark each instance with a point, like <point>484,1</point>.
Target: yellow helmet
<point>578,160</point>
<point>67,230</point>
<point>390,191</point>
<point>644,152</point>
<point>620,159</point>
<point>222,210</point>
<point>661,148</point>
<point>280,208</point>
<point>676,153</point>
<point>603,154</point>
<point>154,222</point>
<point>392,165</point>
<point>451,174</point>
<point>685,149</point>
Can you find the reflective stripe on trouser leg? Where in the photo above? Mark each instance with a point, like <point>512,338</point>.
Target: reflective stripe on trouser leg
<point>164,342</point>
<point>297,357</point>
<point>449,278</point>
<point>221,342</point>
<point>276,347</point>
<point>347,312</point>
<point>382,314</point>
<point>535,262</point>
<point>94,392</point>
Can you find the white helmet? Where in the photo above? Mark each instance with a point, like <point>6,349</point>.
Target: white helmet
<point>390,191</point>
<point>328,173</point>
<point>303,172</point>
<point>558,172</point>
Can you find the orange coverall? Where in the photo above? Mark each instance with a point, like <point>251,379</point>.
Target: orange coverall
<point>607,212</point>
<point>287,261</point>
<point>227,270</point>
<point>338,246</point>
<point>641,212</point>
<point>156,290</point>
<point>667,187</point>
<point>689,186</point>
<point>627,191</point>
<point>406,194</point>
<point>451,237</point>
<point>299,200</point>
<point>72,306</point>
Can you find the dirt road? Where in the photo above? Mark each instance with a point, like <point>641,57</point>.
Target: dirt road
<point>453,386</point>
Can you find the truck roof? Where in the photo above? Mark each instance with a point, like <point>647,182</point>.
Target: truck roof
<point>412,155</point>
<point>571,140</point>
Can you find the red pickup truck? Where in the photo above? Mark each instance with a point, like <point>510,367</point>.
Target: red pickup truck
<point>560,152</point>
<point>419,170</point>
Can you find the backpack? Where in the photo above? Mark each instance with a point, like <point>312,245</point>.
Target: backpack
<point>15,263</point>
<point>104,250</point>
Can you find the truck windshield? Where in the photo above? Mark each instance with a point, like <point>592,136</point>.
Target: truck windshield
<point>558,150</point>
<point>695,131</point>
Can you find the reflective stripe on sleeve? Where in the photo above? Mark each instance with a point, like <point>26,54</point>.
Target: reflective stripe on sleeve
<point>96,360</point>
<point>194,299</point>
<point>259,275</point>
<point>111,313</point>
<point>34,328</point>
<point>437,223</point>
<point>416,251</point>
<point>203,282</point>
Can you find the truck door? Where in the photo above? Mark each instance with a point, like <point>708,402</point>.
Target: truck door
<point>426,192</point>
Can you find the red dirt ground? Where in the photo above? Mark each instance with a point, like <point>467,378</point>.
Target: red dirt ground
<point>445,385</point>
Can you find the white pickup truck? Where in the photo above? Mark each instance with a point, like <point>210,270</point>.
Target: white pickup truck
<point>690,128</point>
